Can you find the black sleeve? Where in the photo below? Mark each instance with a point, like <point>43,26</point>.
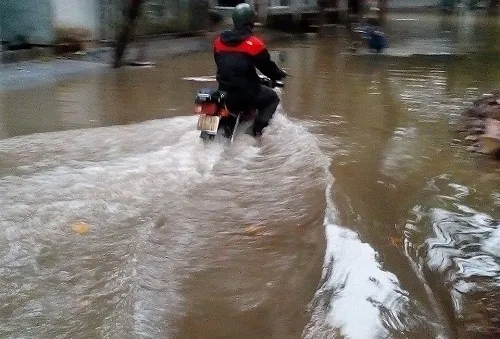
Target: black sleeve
<point>268,67</point>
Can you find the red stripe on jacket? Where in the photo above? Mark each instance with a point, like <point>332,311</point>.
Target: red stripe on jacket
<point>252,45</point>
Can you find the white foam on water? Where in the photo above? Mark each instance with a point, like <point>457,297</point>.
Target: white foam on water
<point>106,177</point>
<point>134,186</point>
<point>358,298</point>
<point>361,285</point>
<point>491,245</point>
<point>208,78</point>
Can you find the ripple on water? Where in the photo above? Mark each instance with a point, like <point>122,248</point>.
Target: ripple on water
<point>459,246</point>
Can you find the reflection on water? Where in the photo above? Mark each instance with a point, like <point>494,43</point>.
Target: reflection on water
<point>355,216</point>
<point>459,244</point>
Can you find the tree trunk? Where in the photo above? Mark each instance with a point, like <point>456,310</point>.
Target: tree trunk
<point>382,5</point>
<point>123,39</point>
<point>321,15</point>
<point>494,7</point>
<point>355,6</point>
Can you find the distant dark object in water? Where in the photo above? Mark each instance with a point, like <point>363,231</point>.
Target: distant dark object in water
<point>377,40</point>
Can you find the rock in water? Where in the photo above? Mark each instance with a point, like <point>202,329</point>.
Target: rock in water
<point>471,138</point>
<point>481,124</point>
<point>490,140</point>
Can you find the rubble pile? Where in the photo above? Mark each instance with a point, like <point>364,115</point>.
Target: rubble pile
<point>480,125</point>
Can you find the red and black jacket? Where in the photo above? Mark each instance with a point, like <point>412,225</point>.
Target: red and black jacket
<point>237,53</point>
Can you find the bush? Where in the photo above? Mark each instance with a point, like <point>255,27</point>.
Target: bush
<point>70,39</point>
<point>76,35</point>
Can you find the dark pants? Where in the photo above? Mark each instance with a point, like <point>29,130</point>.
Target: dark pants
<point>266,103</point>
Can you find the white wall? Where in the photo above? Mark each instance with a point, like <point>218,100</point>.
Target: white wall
<point>77,13</point>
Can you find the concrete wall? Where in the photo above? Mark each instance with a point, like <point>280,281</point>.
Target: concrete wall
<point>163,16</point>
<point>396,4</point>
<point>77,13</point>
<point>157,17</point>
<point>31,19</point>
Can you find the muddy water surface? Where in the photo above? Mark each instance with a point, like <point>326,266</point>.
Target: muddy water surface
<point>355,215</point>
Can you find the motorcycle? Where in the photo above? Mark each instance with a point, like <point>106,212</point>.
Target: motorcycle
<point>214,117</point>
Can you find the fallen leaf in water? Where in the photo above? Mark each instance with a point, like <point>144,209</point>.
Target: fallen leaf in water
<point>398,242</point>
<point>253,230</point>
<point>81,228</point>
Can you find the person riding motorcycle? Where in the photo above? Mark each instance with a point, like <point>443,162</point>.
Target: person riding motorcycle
<point>237,52</point>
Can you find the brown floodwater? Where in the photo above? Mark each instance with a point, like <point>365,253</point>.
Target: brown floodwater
<point>357,215</point>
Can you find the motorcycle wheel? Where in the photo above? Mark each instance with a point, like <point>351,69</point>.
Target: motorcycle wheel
<point>206,136</point>
<point>226,127</point>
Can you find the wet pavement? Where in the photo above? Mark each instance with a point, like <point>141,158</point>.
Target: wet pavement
<point>25,74</point>
<point>355,216</point>
<point>34,73</point>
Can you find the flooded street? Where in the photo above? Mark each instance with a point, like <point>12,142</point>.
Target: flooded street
<point>355,216</point>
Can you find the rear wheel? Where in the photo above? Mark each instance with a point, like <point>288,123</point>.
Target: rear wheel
<point>226,126</point>
<point>206,136</point>
<point>225,130</point>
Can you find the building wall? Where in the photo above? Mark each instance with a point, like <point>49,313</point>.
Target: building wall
<point>30,19</point>
<point>77,14</point>
<point>412,3</point>
<point>157,17</point>
<point>37,21</point>
<point>398,4</point>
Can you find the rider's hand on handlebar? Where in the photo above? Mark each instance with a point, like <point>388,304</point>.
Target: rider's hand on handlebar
<point>282,74</point>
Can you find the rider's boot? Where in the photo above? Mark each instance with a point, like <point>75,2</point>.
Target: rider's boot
<point>258,126</point>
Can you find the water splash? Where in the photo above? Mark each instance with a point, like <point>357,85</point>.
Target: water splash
<point>357,298</point>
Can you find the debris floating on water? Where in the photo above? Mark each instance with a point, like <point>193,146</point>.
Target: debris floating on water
<point>81,228</point>
<point>253,230</point>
